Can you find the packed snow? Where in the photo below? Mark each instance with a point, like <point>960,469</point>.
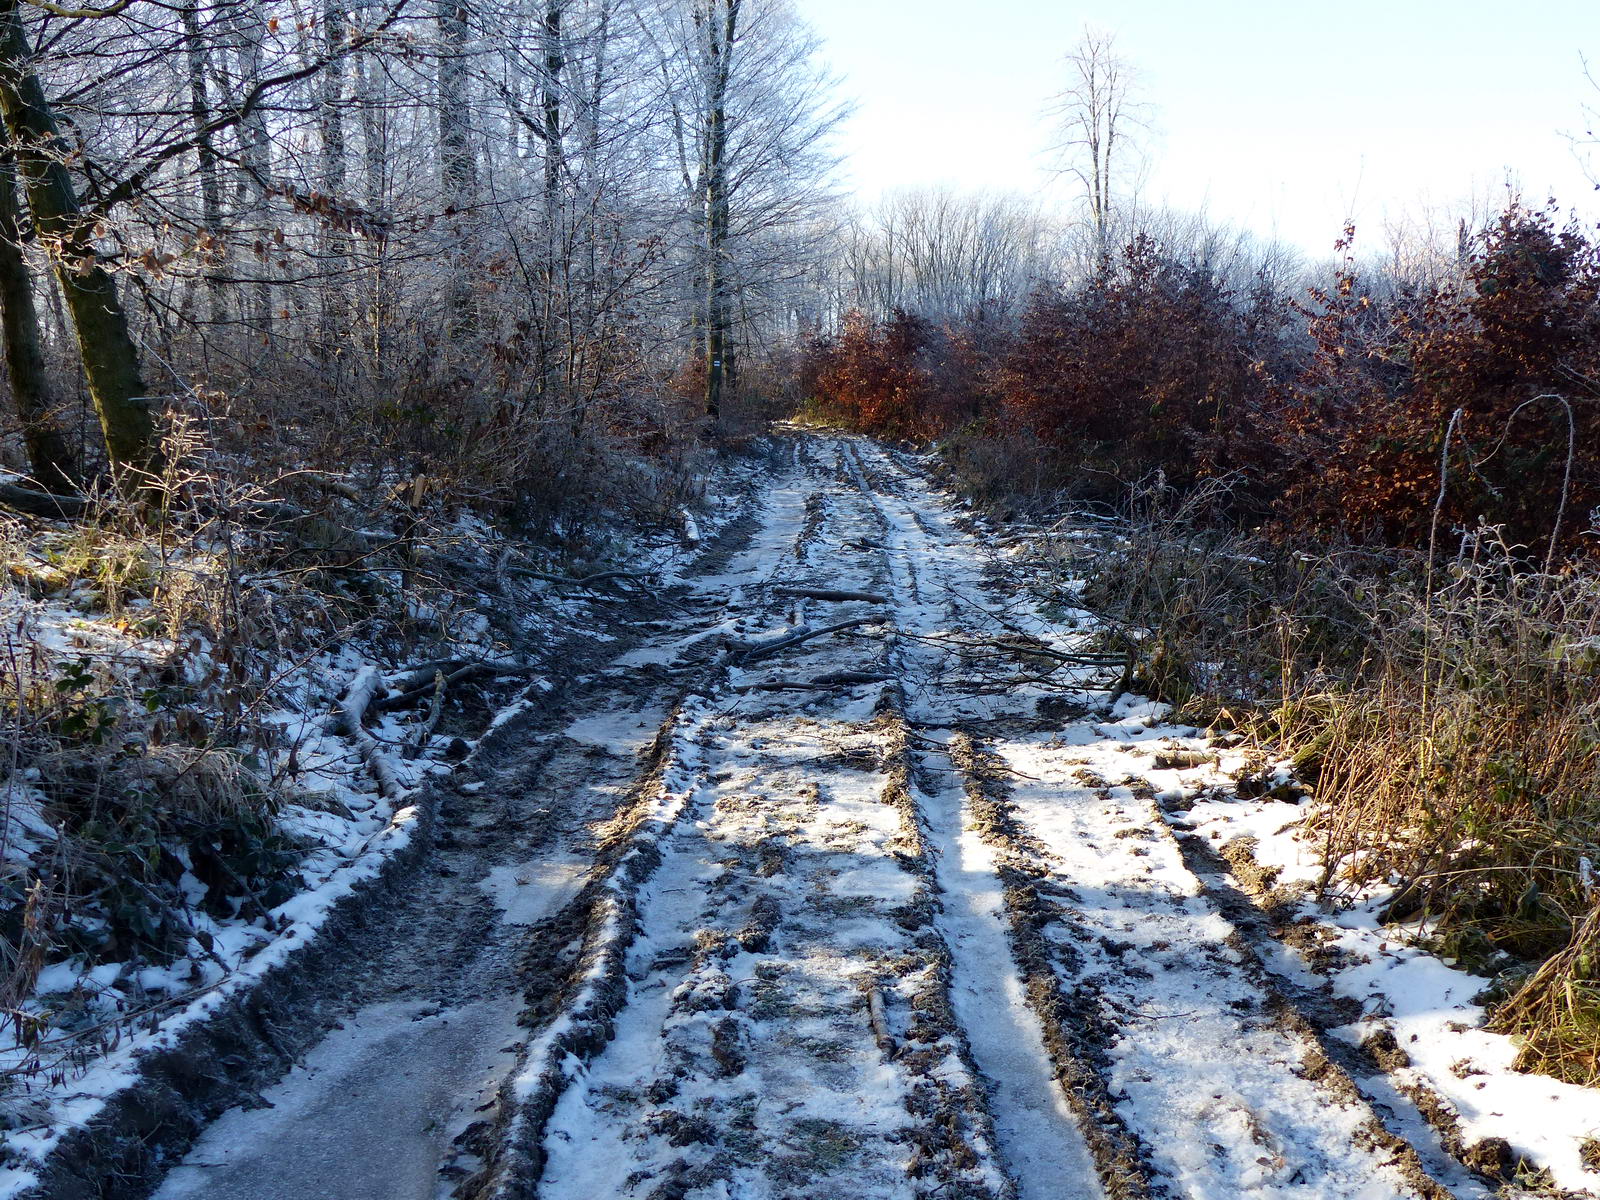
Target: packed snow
<point>851,874</point>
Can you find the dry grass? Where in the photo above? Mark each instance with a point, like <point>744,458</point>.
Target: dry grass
<point>1556,1013</point>
<point>1447,715</point>
<point>143,649</point>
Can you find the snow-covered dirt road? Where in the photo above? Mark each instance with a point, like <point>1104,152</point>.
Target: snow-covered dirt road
<point>849,879</point>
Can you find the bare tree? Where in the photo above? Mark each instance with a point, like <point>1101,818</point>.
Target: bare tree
<point>105,344</point>
<point>1098,117</point>
<point>752,113</point>
<point>1585,141</point>
<point>946,255</point>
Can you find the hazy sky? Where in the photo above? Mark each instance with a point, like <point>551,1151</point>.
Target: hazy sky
<point>1282,115</point>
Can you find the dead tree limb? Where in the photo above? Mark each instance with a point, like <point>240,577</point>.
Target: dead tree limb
<point>41,504</point>
<point>418,674</point>
<point>1077,660</point>
<point>1013,647</point>
<point>364,689</point>
<point>879,1020</point>
<point>586,581</point>
<point>437,681</point>
<point>833,595</point>
<point>746,652</point>
<point>435,711</point>
<point>820,683</point>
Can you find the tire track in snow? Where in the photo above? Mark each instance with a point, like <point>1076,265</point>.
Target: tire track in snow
<point>1055,1144</point>
<point>991,1071</point>
<point>1040,1141</point>
<point>1048,1027</point>
<point>1153,985</point>
<point>578,1011</point>
<point>1161,1109</point>
<point>1421,1130</point>
<point>578,960</point>
<point>782,1027</point>
<point>1071,1027</point>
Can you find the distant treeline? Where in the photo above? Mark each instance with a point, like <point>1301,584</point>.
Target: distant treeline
<point>1373,406</point>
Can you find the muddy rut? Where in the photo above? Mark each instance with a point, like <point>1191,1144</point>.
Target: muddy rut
<point>843,880</point>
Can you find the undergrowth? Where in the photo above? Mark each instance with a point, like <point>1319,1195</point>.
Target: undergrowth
<point>1443,709</point>
<point>164,668</point>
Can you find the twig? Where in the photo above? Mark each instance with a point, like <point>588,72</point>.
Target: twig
<point>435,711</point>
<point>833,595</point>
<point>77,1036</point>
<point>820,683</point>
<point>755,651</point>
<point>879,1020</point>
<point>586,581</point>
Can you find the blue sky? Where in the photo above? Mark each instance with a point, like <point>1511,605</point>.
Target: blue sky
<point>1279,115</point>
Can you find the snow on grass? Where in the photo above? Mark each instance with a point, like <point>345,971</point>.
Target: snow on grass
<point>1428,1004</point>
<point>1138,930</point>
<point>1157,955</point>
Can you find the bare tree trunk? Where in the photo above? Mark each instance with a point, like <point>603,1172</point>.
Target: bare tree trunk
<point>555,63</point>
<point>110,360</point>
<point>335,247</point>
<point>206,155</point>
<point>255,155</point>
<point>551,251</point>
<point>720,35</point>
<point>48,451</point>
<point>375,155</point>
<point>458,158</point>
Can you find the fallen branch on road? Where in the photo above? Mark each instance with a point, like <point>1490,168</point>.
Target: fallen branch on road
<point>585,581</point>
<point>820,683</point>
<point>746,652</point>
<point>833,595</point>
<point>1090,659</point>
<point>435,680</point>
<point>1014,647</point>
<point>879,1020</point>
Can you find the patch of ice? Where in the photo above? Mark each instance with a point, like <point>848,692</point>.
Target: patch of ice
<point>535,892</point>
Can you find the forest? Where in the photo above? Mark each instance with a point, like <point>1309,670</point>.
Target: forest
<point>538,620</point>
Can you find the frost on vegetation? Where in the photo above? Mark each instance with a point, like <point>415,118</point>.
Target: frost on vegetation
<point>176,790</point>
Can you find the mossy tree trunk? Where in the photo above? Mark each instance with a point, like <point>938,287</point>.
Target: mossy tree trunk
<point>49,453</point>
<point>110,359</point>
